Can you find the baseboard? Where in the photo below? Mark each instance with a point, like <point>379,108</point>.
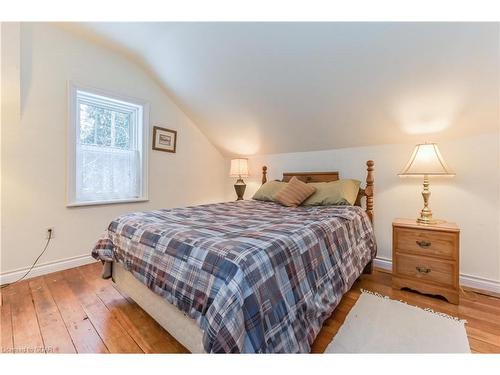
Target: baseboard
<point>45,268</point>
<point>384,263</point>
<point>470,281</point>
<point>480,284</point>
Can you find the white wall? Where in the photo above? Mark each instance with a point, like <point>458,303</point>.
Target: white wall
<point>34,146</point>
<point>471,199</point>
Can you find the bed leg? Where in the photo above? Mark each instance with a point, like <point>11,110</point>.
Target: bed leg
<point>107,270</point>
<point>368,268</point>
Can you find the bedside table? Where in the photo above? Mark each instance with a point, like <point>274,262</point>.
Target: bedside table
<point>425,258</point>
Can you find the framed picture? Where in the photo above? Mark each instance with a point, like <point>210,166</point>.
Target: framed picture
<point>164,139</point>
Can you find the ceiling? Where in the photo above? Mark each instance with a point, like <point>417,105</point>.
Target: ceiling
<point>256,88</point>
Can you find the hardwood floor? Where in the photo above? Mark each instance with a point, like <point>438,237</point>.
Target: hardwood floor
<point>77,311</point>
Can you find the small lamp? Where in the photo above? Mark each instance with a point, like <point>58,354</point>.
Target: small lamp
<point>426,160</point>
<point>239,168</point>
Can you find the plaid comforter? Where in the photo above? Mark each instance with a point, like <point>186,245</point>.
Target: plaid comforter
<point>257,277</point>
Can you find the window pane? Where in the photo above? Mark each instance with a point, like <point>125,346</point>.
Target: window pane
<point>122,130</point>
<point>108,155</point>
<point>108,173</point>
<point>87,126</point>
<point>104,127</point>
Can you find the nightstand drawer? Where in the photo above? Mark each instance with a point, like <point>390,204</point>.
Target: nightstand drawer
<point>426,242</point>
<point>426,269</point>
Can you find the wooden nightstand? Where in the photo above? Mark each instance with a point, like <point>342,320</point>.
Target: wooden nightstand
<point>425,258</point>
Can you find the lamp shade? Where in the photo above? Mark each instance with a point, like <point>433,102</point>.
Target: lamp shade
<point>239,168</point>
<point>426,160</point>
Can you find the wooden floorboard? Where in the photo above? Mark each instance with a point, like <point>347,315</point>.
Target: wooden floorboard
<point>81,330</point>
<point>55,335</point>
<point>26,336</point>
<point>76,310</point>
<point>7,342</point>
<point>110,330</point>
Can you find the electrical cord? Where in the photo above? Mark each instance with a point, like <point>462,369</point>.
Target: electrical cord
<point>34,263</point>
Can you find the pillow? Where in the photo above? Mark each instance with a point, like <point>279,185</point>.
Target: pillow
<point>341,192</point>
<point>267,191</point>
<point>294,193</point>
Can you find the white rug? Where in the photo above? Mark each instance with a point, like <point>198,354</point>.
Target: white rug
<point>378,324</point>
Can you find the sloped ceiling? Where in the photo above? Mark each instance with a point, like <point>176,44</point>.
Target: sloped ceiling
<point>256,88</point>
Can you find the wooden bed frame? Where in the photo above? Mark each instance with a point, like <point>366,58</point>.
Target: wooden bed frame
<point>366,192</point>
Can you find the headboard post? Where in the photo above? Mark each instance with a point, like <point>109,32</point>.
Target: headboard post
<point>334,176</point>
<point>369,189</point>
<point>264,174</point>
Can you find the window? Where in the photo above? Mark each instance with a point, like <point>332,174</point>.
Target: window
<point>108,148</point>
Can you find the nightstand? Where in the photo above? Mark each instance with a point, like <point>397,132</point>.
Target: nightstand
<point>425,257</point>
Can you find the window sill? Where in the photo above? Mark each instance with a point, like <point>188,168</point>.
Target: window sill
<point>104,203</point>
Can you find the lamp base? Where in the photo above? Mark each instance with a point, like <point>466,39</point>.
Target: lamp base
<point>240,187</point>
<point>426,220</point>
<point>426,213</point>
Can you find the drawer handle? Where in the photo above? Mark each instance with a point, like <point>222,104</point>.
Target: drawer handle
<point>423,269</point>
<point>423,244</point>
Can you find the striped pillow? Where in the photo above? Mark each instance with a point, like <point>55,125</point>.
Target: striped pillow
<point>294,193</point>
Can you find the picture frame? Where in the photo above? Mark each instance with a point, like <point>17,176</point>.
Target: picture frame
<point>164,139</point>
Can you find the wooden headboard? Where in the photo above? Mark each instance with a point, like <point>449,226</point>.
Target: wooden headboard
<point>367,191</point>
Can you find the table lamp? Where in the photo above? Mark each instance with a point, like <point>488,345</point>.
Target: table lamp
<point>426,161</point>
<point>239,168</point>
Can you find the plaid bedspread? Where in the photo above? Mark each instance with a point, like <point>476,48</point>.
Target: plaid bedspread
<point>257,277</point>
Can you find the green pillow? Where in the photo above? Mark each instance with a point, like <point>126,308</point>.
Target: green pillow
<point>267,191</point>
<point>340,192</point>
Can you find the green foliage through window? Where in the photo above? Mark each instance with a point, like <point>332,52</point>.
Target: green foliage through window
<point>100,126</point>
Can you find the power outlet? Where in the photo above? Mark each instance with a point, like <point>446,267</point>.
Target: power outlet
<point>50,233</point>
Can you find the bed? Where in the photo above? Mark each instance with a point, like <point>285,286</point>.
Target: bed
<point>245,276</point>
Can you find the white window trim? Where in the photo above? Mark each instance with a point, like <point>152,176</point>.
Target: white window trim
<point>73,87</point>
